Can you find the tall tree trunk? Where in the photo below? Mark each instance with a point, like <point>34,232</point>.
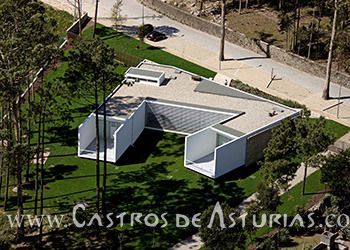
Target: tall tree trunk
<point>280,4</point>
<point>298,24</point>
<point>38,152</point>
<point>9,162</point>
<point>325,94</point>
<point>104,181</point>
<point>240,7</point>
<point>95,19</point>
<point>312,27</point>
<point>17,160</point>
<point>97,152</point>
<point>6,191</point>
<point>79,15</point>
<point>42,173</point>
<point>223,31</point>
<point>201,3</point>
<point>293,42</point>
<point>246,4</point>
<point>28,132</point>
<point>304,178</point>
<point>2,150</point>
<point>8,148</point>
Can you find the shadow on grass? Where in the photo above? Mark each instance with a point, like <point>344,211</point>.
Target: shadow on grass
<point>59,172</point>
<point>66,135</point>
<point>239,173</point>
<point>153,190</point>
<point>105,32</point>
<point>157,144</point>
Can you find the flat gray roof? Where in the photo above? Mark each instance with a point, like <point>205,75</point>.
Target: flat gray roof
<point>228,130</point>
<point>231,111</point>
<point>144,72</point>
<point>210,87</point>
<point>255,112</point>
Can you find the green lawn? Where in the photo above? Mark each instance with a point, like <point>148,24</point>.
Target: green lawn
<point>294,199</point>
<point>337,129</point>
<point>150,177</point>
<point>127,45</point>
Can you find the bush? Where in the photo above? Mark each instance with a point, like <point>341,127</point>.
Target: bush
<point>219,238</point>
<point>148,28</point>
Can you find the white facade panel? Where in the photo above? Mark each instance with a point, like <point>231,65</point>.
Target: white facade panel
<point>130,130</point>
<point>138,121</point>
<point>200,144</point>
<point>86,133</point>
<point>123,138</point>
<point>230,156</point>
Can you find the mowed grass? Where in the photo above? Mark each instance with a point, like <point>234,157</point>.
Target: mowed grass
<point>337,129</point>
<point>293,199</point>
<point>130,46</point>
<point>150,177</point>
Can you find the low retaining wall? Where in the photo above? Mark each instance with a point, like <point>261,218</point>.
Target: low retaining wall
<point>240,39</point>
<point>73,30</point>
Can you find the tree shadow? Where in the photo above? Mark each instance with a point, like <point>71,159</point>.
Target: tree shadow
<point>105,32</point>
<point>155,143</point>
<point>239,173</point>
<point>266,37</point>
<point>59,172</point>
<point>66,135</point>
<point>129,30</point>
<point>155,48</point>
<point>157,192</point>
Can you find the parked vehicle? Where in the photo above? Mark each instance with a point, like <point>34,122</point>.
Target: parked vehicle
<point>156,36</point>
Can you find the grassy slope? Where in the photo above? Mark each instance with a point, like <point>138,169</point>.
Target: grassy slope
<point>336,128</point>
<point>150,177</point>
<point>294,199</point>
<point>131,46</point>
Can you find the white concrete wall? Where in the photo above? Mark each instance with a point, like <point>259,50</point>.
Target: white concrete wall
<point>130,130</point>
<point>138,121</point>
<point>123,138</point>
<point>200,144</point>
<point>230,156</point>
<point>86,133</point>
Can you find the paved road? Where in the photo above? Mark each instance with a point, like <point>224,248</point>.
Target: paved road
<point>248,66</point>
<point>132,9</point>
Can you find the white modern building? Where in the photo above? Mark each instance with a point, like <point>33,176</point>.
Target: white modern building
<point>225,128</point>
